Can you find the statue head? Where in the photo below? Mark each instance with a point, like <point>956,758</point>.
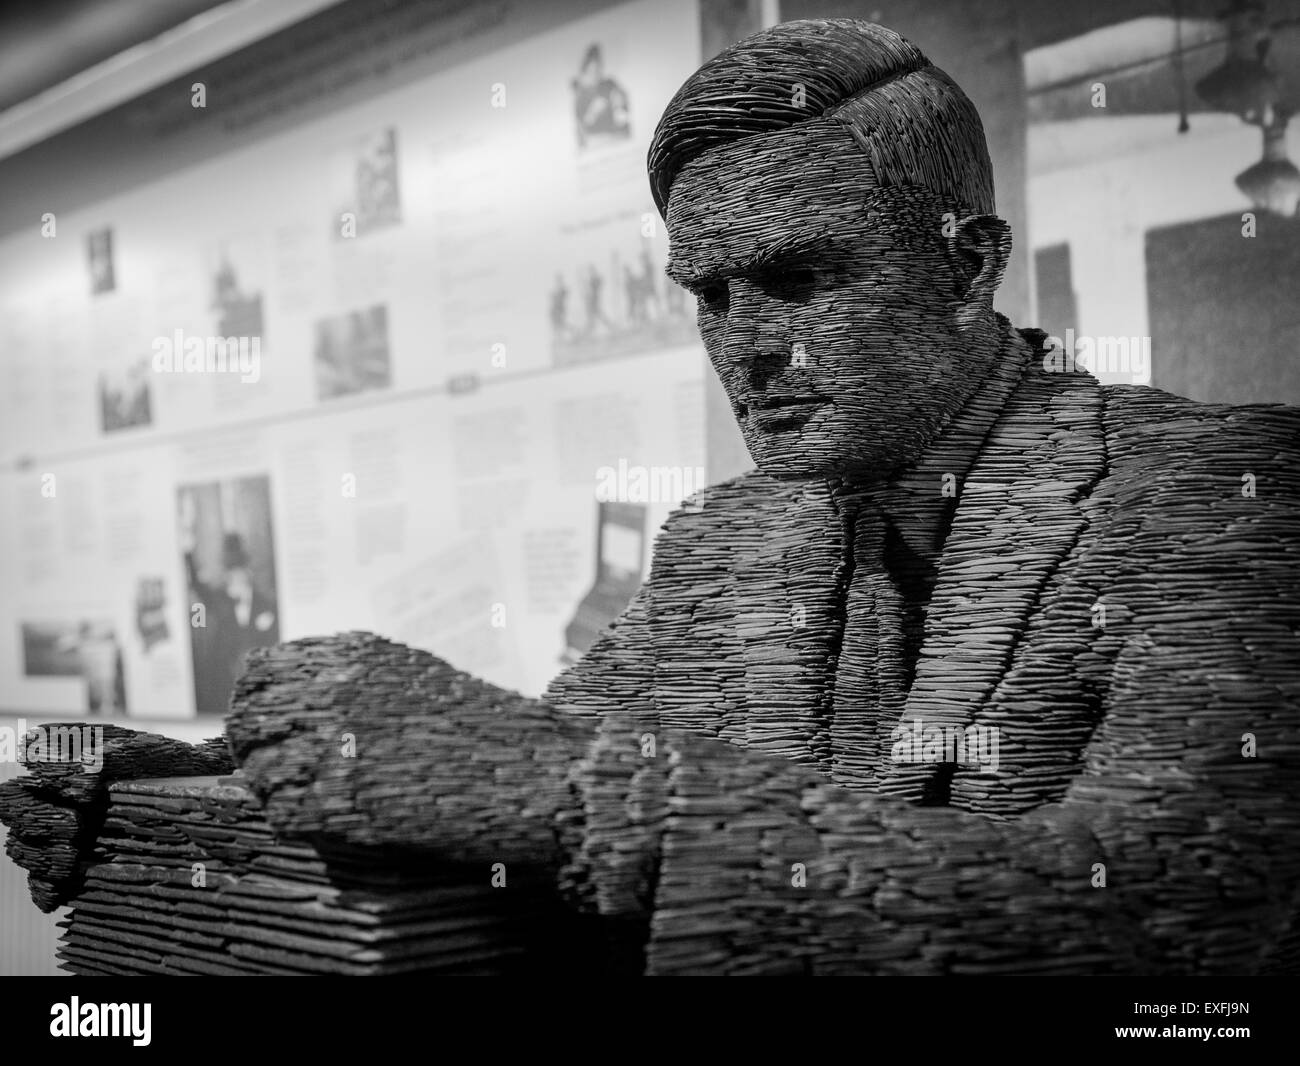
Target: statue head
<point>829,201</point>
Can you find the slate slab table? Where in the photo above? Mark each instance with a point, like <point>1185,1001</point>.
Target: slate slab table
<point>190,879</point>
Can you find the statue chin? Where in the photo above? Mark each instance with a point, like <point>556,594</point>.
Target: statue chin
<point>859,444</point>
<point>837,448</point>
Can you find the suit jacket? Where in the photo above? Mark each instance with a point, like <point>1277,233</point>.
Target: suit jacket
<point>1118,595</point>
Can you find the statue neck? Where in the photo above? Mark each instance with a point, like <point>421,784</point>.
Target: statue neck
<point>920,499</point>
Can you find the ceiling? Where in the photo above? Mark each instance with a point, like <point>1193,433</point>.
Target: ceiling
<point>45,42</point>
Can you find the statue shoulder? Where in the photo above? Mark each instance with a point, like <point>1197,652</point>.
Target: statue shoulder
<point>1147,422</point>
<point>729,499</point>
<point>704,538</point>
<point>1193,485</point>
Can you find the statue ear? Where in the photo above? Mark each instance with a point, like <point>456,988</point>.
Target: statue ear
<point>980,245</point>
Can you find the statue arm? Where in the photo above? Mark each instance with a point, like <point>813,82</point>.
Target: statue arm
<point>618,670</point>
<point>361,739</point>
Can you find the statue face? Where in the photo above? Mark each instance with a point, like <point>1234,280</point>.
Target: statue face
<point>827,305</point>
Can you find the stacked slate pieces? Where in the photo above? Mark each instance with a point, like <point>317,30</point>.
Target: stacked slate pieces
<point>1019,519</point>
<point>263,906</point>
<point>824,567</point>
<point>54,811</point>
<point>1172,550</point>
<point>1081,494</point>
<point>363,740</point>
<point>841,66</point>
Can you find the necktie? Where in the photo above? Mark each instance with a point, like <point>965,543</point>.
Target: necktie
<point>870,676</point>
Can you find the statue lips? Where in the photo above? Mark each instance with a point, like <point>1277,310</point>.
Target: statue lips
<point>779,413</point>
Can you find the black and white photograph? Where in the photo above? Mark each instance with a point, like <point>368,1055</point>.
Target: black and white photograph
<point>612,298</point>
<point>742,488</point>
<point>367,189</point>
<point>235,301</point>
<point>99,260</point>
<point>229,559</point>
<point>151,610</point>
<point>86,648</point>
<point>601,113</point>
<point>352,353</point>
<point>126,396</point>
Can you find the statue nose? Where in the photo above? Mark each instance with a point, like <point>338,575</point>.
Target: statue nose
<point>752,322</point>
<point>764,365</point>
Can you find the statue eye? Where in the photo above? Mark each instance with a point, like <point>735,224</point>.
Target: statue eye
<point>791,283</point>
<point>712,295</point>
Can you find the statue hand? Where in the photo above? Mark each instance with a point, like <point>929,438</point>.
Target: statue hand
<point>369,742</point>
<point>55,813</point>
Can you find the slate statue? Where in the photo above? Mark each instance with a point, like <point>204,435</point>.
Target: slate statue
<point>986,668</point>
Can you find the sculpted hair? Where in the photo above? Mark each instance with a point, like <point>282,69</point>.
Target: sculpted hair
<point>912,121</point>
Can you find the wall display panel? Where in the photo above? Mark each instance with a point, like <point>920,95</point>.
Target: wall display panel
<point>412,368</point>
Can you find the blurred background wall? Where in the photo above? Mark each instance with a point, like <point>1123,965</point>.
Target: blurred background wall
<point>458,395</point>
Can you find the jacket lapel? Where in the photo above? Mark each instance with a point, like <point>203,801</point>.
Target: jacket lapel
<point>1017,519</point>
